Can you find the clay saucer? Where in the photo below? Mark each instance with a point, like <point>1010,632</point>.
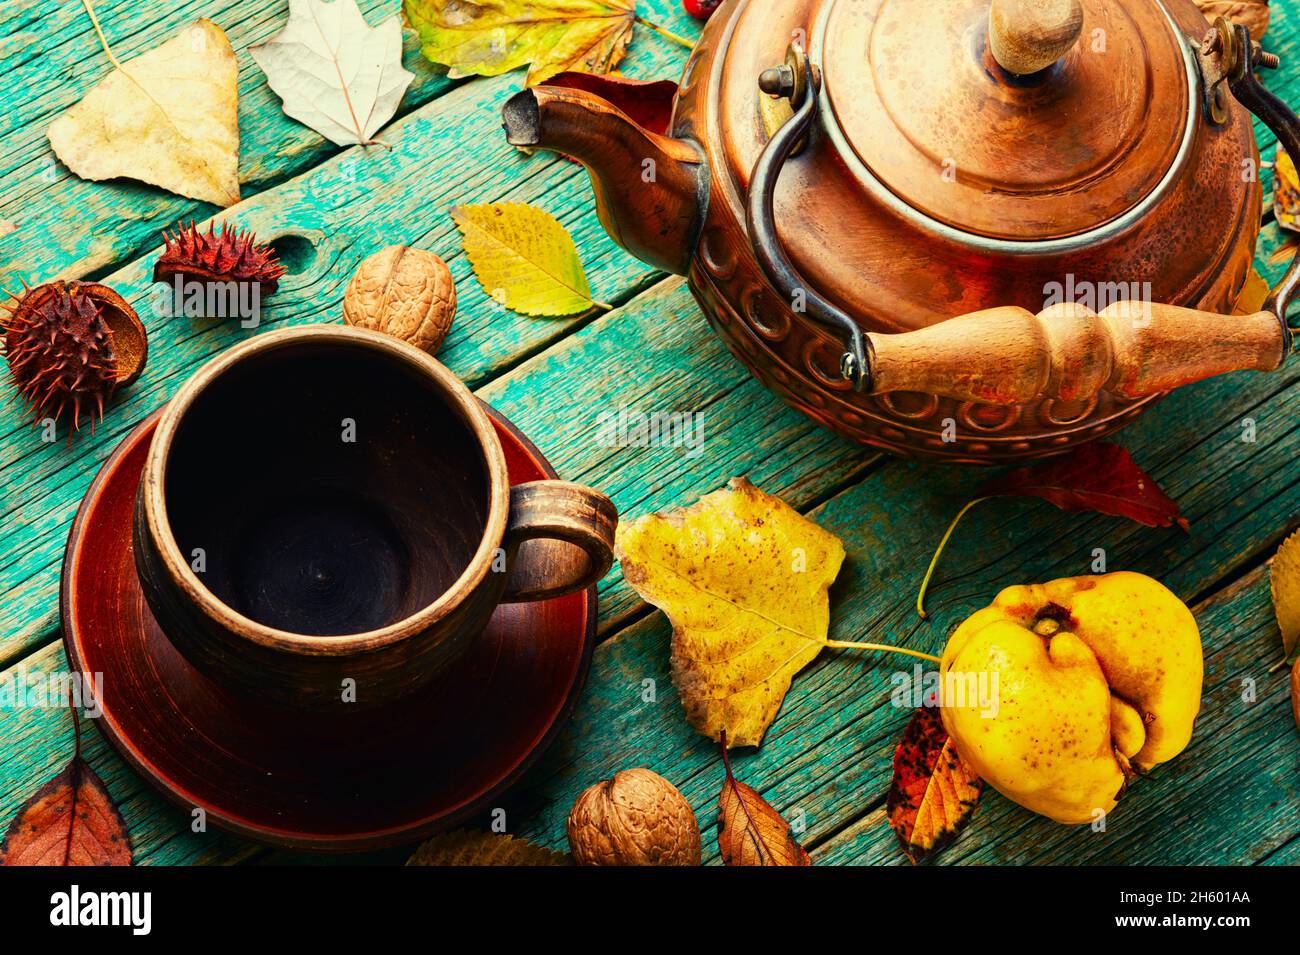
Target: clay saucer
<point>351,781</point>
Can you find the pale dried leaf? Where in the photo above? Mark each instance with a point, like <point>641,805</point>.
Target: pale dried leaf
<point>334,72</point>
<point>169,117</point>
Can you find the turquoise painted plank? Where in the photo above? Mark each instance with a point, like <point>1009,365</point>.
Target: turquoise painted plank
<point>828,752</point>
<point>448,152</point>
<point>38,742</point>
<point>656,356</point>
<point>70,228</point>
<point>660,343</point>
<point>832,790</point>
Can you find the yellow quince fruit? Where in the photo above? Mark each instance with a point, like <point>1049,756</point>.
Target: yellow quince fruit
<point>1057,693</point>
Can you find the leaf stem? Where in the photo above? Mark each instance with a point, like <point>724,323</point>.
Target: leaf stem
<point>103,41</point>
<point>929,572</point>
<point>850,645</point>
<point>668,34</point>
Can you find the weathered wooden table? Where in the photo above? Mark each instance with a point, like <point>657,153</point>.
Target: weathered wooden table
<point>1232,797</point>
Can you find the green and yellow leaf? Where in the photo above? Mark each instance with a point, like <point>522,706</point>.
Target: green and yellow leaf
<point>491,37</point>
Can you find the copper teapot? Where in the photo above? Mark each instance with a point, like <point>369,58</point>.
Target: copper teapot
<point>965,231</point>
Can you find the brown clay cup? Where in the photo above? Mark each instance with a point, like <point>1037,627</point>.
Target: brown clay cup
<point>325,519</point>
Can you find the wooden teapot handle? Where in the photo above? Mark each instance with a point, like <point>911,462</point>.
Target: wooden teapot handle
<point>1010,356</point>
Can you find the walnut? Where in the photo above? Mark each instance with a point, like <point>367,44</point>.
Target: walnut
<point>636,818</point>
<point>1253,14</point>
<point>405,292</point>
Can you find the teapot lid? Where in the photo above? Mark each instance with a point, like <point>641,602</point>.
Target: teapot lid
<point>916,102</point>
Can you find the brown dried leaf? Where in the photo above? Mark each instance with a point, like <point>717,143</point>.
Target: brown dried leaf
<point>70,821</point>
<point>1284,581</point>
<point>933,792</point>
<point>751,832</point>
<point>469,847</point>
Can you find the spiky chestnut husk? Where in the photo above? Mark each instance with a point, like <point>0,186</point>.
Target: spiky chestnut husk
<point>231,255</point>
<point>69,345</point>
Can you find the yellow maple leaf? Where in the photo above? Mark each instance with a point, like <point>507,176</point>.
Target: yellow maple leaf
<point>744,579</point>
<point>169,117</point>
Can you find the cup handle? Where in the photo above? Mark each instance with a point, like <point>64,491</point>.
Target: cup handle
<point>560,540</point>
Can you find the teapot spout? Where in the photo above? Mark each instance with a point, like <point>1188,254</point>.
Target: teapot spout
<point>651,191</point>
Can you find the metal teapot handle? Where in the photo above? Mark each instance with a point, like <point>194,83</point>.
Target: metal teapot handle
<point>1009,355</point>
<point>799,81</point>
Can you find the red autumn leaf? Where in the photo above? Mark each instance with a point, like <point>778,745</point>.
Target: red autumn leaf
<point>649,103</point>
<point>750,831</point>
<point>1096,477</point>
<point>70,821</point>
<point>934,792</point>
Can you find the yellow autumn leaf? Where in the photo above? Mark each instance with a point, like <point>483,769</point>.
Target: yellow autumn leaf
<point>744,580</point>
<point>525,259</point>
<point>491,37</point>
<point>1252,295</point>
<point>467,847</point>
<point>1284,580</point>
<point>169,117</point>
<point>1286,191</point>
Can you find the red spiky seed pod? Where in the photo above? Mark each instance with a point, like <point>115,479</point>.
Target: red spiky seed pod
<point>230,255</point>
<point>69,345</point>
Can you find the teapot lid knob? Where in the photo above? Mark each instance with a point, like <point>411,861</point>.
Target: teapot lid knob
<point>1026,36</point>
